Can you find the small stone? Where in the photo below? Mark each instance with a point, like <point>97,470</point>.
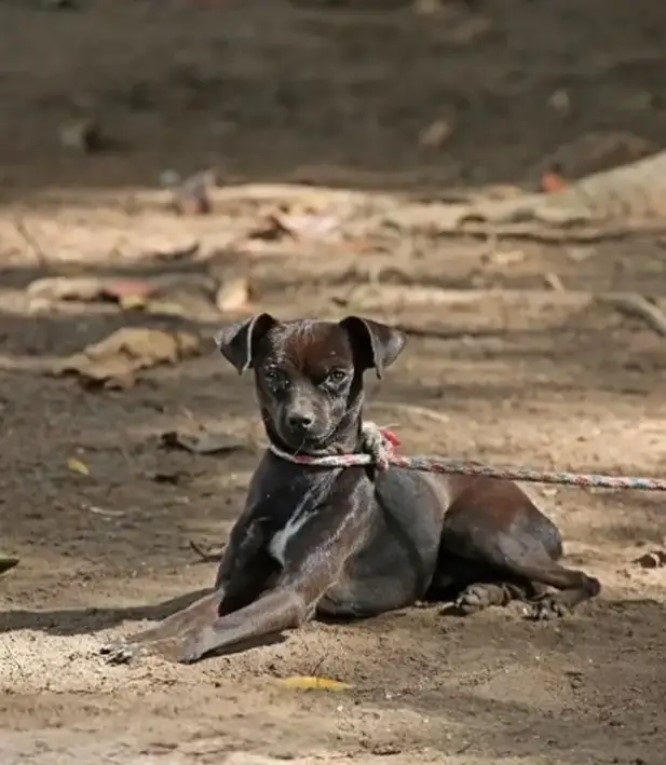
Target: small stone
<point>653,559</point>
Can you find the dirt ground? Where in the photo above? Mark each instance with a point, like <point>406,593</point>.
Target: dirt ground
<point>273,93</point>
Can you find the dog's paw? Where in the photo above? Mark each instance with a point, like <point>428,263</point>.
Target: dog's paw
<point>185,648</point>
<point>475,598</point>
<point>547,609</point>
<point>192,646</point>
<point>121,652</point>
<point>172,650</point>
<point>188,653</point>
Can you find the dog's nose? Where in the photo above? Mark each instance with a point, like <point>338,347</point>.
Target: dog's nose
<point>300,420</point>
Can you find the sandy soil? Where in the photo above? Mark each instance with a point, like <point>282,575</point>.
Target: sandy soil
<point>273,93</point>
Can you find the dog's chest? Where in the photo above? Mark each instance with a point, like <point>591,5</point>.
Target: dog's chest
<point>301,507</point>
<point>278,544</point>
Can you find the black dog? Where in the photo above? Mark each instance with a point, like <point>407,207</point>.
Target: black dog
<point>354,542</point>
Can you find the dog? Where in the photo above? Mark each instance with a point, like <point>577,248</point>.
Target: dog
<point>354,542</point>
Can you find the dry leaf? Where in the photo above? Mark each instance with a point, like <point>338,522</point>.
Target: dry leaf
<point>270,230</point>
<point>132,302</point>
<point>310,225</point>
<point>204,443</point>
<point>507,257</point>
<point>180,253</point>
<point>7,563</point>
<point>115,360</point>
<point>306,683</point>
<point>234,295</point>
<point>66,288</point>
<point>124,289</point>
<point>88,289</point>
<point>76,466</point>
<point>313,226</point>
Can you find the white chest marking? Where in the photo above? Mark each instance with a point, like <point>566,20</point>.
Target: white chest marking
<point>300,516</point>
<point>278,544</point>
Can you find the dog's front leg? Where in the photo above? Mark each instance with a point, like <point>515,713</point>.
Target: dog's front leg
<point>314,558</point>
<point>280,609</point>
<point>201,612</point>
<point>242,574</point>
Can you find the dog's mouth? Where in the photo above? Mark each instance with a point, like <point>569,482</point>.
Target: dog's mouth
<point>325,439</point>
<point>314,445</point>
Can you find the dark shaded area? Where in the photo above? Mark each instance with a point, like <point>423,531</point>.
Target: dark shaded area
<point>87,620</point>
<point>269,90</point>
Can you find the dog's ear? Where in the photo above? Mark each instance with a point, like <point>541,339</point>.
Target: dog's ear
<point>238,342</point>
<point>376,345</point>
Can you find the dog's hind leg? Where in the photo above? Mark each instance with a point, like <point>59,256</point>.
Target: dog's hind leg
<point>574,587</point>
<point>496,527</point>
<point>525,577</point>
<point>476,597</point>
<point>473,585</point>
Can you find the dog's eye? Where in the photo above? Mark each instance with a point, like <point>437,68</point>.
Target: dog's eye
<point>336,376</point>
<point>276,378</point>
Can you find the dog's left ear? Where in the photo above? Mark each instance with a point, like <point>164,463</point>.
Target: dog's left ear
<point>377,345</point>
<point>238,342</point>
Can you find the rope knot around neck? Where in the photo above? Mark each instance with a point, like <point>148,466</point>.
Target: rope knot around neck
<point>378,447</point>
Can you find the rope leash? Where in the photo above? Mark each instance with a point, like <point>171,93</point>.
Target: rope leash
<point>380,446</point>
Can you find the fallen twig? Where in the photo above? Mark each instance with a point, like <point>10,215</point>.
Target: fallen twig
<point>206,556</point>
<point>545,233</point>
<point>633,304</point>
<point>24,231</point>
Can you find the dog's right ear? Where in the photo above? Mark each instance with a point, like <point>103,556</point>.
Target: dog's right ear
<point>238,342</point>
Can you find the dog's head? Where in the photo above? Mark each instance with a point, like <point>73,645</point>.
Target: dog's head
<point>309,374</point>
